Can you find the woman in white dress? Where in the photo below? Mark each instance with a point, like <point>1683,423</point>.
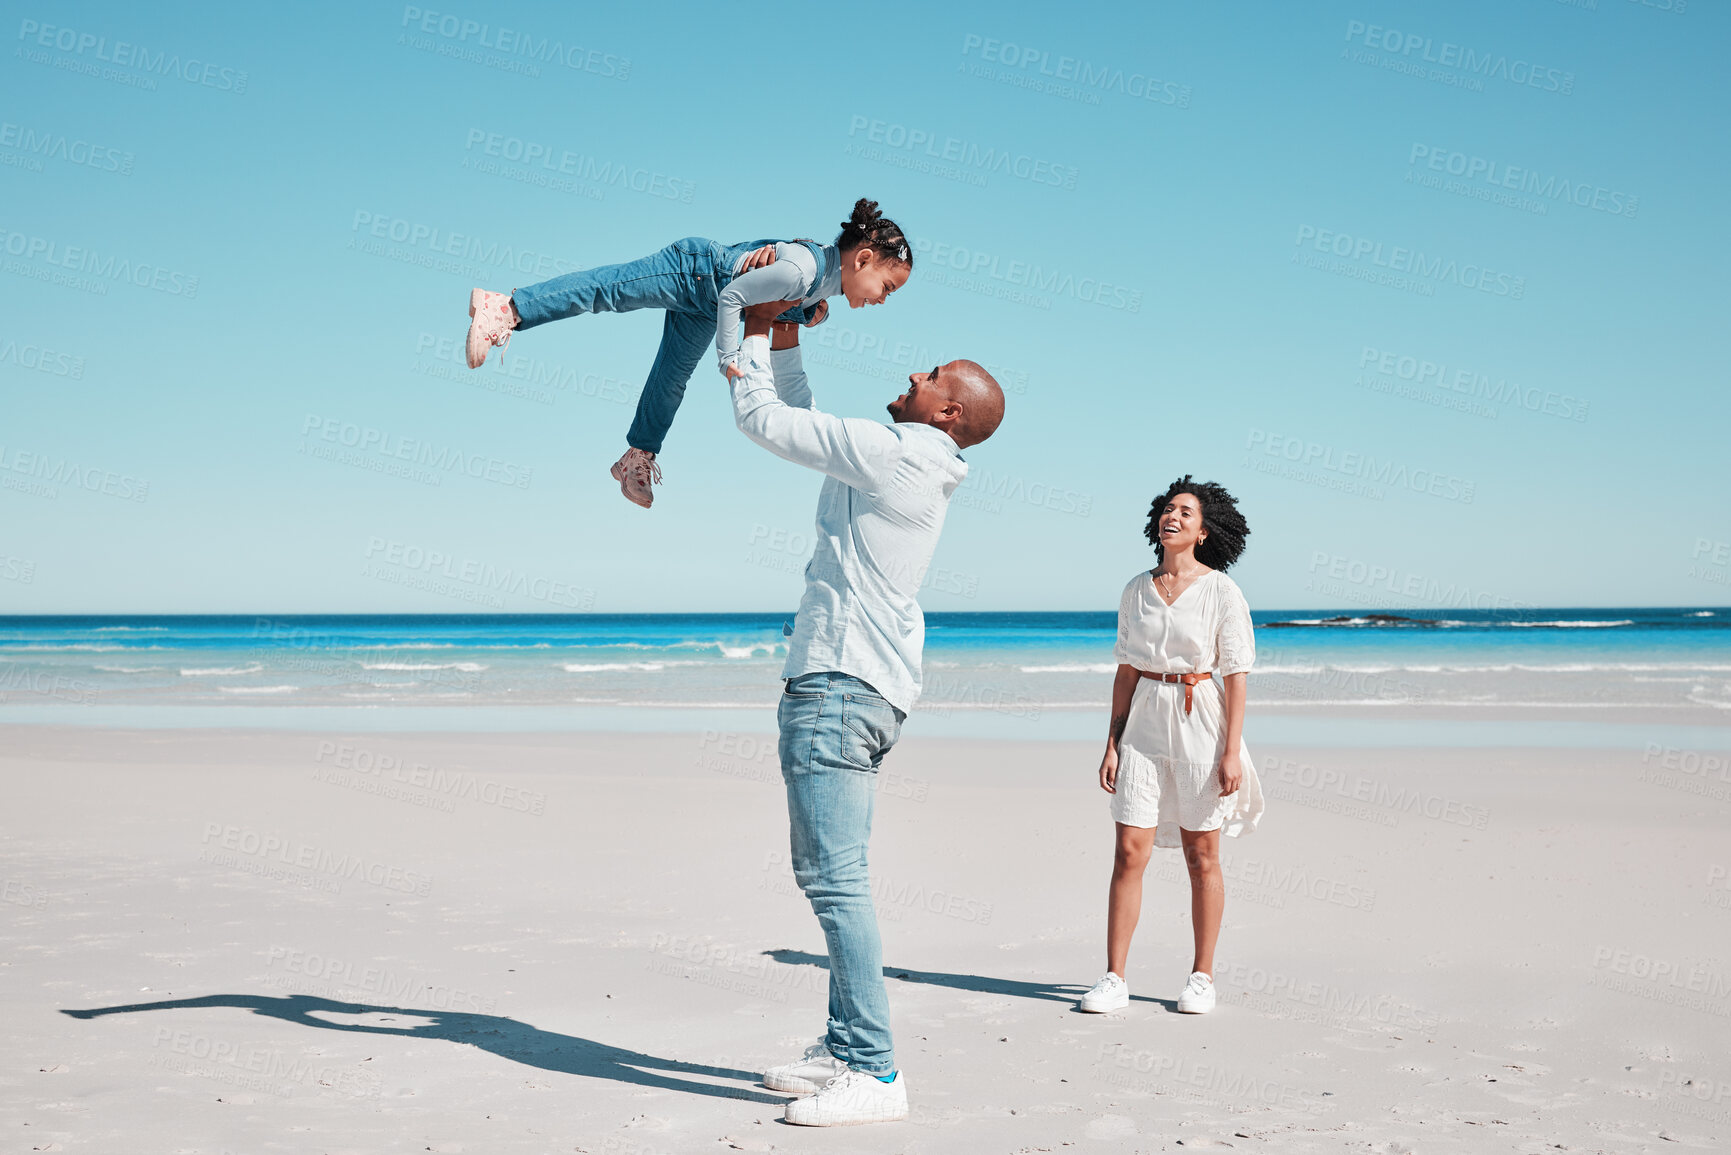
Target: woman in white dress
<point>1176,764</point>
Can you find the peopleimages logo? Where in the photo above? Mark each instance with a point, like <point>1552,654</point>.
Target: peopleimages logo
<point>870,355</point>
<point>418,235</point>
<point>1447,54</point>
<point>1698,987</point>
<point>1026,275</point>
<point>136,56</point>
<point>460,31</point>
<point>1500,391</point>
<point>1370,255</point>
<point>340,974</point>
<point>556,161</point>
<point>274,848</point>
<point>990,490</point>
<point>55,471</point>
<point>1357,788</point>
<point>364,439</point>
<point>1394,587</point>
<point>83,261</point>
<point>470,578</point>
<point>1071,70</point>
<point>446,782</point>
<point>1516,178</point>
<point>40,359</point>
<point>1354,470</point>
<point>41,143</point>
<point>984,159</point>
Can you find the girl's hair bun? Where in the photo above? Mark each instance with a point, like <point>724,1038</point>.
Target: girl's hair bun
<point>868,226</point>
<point>864,213</point>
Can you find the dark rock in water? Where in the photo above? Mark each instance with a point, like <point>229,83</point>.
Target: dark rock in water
<point>1355,620</point>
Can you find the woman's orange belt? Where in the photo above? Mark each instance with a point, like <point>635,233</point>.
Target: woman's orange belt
<point>1189,682</point>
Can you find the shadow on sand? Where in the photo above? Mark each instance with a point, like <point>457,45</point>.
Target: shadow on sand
<point>505,1037</point>
<point>1017,988</point>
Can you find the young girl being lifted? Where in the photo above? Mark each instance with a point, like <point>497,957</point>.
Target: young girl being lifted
<point>704,286</point>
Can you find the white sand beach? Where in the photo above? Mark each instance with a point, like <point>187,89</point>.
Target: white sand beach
<point>592,943</point>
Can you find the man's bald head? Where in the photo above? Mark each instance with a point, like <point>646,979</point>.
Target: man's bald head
<point>960,398</point>
<point>981,400</point>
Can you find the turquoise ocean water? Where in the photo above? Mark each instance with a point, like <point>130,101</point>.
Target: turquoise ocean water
<point>997,665</point>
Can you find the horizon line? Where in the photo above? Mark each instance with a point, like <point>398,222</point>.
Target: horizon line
<point>1361,610</point>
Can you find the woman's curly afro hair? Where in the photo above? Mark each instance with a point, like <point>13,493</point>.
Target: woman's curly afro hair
<point>1225,526</point>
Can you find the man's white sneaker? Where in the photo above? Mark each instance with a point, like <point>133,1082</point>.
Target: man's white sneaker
<point>493,321</point>
<point>1111,993</point>
<point>814,1068</point>
<point>850,1099</point>
<point>635,473</point>
<point>1198,996</point>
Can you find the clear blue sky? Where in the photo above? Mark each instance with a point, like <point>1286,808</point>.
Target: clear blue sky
<point>1258,242</point>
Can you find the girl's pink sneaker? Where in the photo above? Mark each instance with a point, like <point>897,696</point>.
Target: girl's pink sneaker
<point>494,318</point>
<point>635,473</point>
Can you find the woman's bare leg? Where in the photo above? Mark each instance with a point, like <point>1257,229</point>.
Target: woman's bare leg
<point>1124,904</point>
<point>1207,894</point>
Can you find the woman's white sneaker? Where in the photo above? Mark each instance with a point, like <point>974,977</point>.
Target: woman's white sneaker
<point>1198,995</point>
<point>1111,993</point>
<point>813,1069</point>
<point>852,1098</point>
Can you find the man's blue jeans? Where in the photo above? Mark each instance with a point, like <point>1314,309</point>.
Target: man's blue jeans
<point>835,730</point>
<point>685,279</point>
